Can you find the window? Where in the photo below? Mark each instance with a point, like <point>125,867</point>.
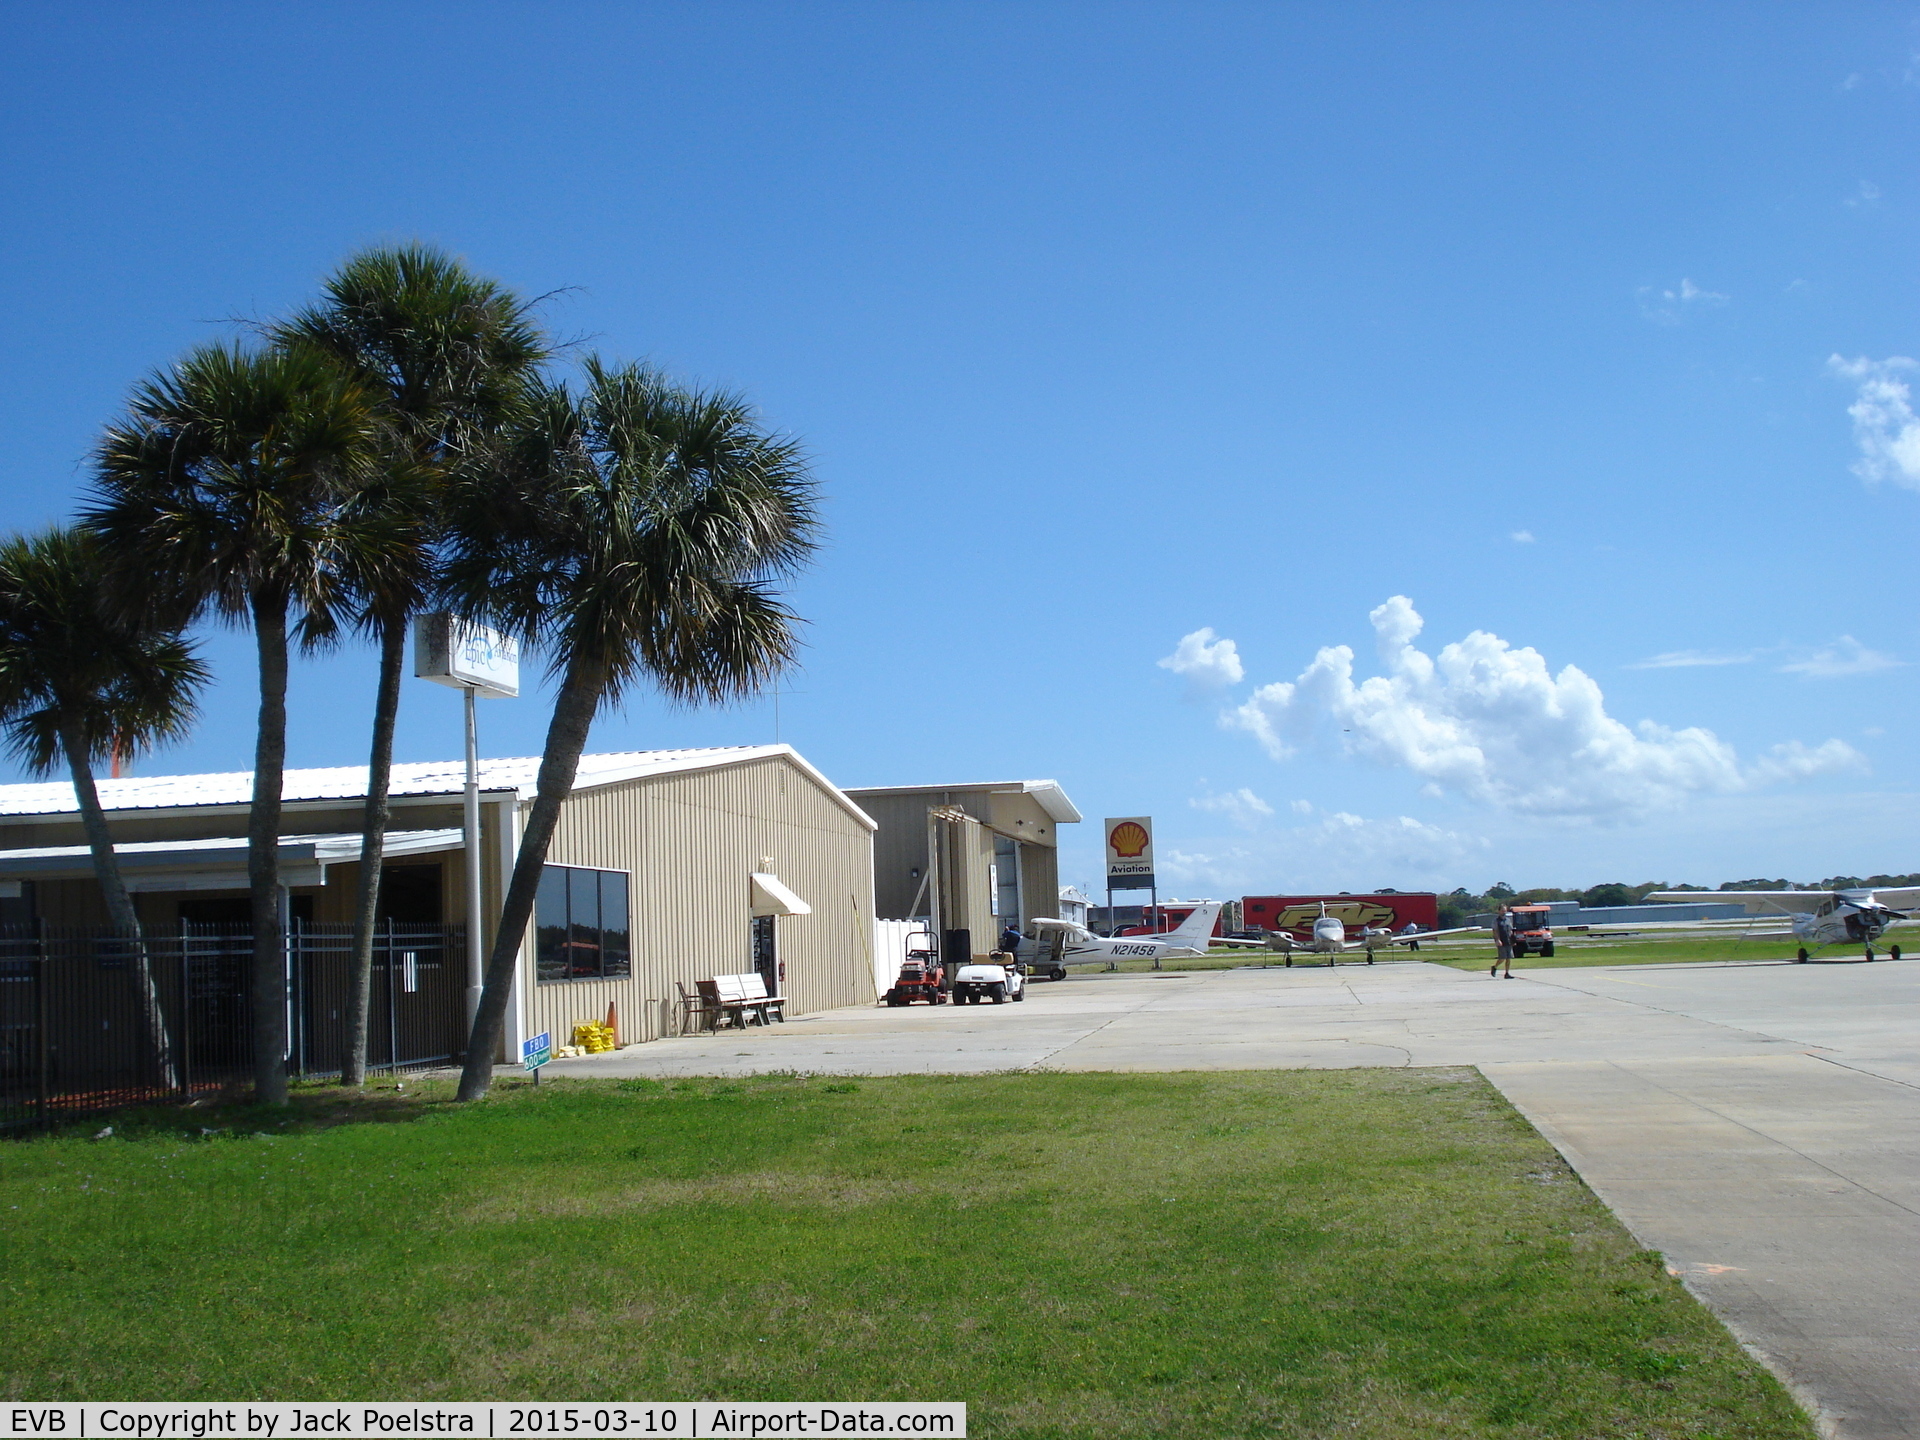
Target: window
<point>580,924</point>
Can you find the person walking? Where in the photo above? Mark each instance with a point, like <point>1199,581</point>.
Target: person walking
<point>1502,941</point>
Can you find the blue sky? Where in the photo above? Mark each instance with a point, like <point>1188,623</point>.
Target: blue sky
<point>1109,325</point>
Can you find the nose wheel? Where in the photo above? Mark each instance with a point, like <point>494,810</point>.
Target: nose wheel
<point>1801,957</point>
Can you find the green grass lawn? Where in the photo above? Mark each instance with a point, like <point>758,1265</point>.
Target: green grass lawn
<point>1390,1254</point>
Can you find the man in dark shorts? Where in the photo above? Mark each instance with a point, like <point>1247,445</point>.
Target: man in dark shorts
<point>1502,941</point>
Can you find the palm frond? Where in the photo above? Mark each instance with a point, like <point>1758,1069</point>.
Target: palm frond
<point>71,665</point>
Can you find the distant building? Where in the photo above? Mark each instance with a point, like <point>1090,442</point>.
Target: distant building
<point>1073,905</point>
<point>967,860</point>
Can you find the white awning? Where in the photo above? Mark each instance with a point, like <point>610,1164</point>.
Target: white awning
<point>770,897</point>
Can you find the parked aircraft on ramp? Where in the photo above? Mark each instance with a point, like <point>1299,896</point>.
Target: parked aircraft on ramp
<point>1819,917</point>
<point>1330,939</point>
<point>1060,943</point>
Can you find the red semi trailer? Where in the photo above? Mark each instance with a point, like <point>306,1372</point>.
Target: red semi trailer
<point>1296,913</point>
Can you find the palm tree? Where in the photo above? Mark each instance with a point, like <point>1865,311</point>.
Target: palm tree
<point>79,684</point>
<point>632,534</point>
<point>443,352</point>
<point>222,490</point>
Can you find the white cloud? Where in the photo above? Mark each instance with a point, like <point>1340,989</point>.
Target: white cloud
<point>1682,659</point>
<point>1794,761</point>
<point>1670,304</point>
<point>1865,193</point>
<point>1333,851</point>
<point>1336,851</point>
<point>1884,424</point>
<point>1845,656</point>
<point>1489,721</point>
<point>1205,661</point>
<point>1522,537</point>
<point>1241,806</point>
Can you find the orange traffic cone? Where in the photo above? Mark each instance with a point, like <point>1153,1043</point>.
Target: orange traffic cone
<point>613,1024</point>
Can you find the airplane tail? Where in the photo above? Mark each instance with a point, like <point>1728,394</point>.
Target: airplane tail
<point>1197,928</point>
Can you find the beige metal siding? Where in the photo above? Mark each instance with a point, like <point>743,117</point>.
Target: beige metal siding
<point>1039,882</point>
<point>690,841</point>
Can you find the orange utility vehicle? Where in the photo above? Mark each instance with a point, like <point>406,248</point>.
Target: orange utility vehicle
<point>1531,933</point>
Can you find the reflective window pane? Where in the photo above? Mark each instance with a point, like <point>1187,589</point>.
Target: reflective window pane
<point>550,924</point>
<point>581,925</point>
<point>613,923</point>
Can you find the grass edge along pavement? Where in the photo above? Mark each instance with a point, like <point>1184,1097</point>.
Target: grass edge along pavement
<point>1381,1253</point>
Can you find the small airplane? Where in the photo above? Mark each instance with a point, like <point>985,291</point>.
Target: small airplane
<point>1060,943</point>
<point>1330,938</point>
<point>1817,917</point>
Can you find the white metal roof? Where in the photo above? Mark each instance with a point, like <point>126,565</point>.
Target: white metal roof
<point>420,779</point>
<point>1046,793</point>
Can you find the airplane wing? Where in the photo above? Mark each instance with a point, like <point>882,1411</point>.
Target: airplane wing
<point>1899,897</point>
<point>1241,944</point>
<point>1757,902</point>
<point>1435,934</point>
<point>1044,924</point>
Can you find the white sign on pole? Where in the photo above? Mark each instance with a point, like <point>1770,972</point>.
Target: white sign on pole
<point>450,651</point>
<point>1130,853</point>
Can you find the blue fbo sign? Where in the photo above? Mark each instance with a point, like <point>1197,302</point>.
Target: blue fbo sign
<point>536,1052</point>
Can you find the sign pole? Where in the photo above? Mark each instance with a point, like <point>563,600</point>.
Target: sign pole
<point>470,838</point>
<point>479,663</point>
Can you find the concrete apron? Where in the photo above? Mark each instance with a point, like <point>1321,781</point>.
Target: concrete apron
<point>1758,1124</point>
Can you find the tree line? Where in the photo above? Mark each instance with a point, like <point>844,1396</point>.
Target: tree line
<point>409,442</point>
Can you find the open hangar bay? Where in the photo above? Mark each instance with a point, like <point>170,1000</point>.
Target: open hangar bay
<point>1759,1124</point>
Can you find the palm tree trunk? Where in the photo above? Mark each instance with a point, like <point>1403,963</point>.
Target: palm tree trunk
<point>573,712</point>
<point>120,912</point>
<point>263,853</point>
<point>373,844</point>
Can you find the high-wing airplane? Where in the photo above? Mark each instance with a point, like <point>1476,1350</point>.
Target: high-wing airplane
<point>1818,917</point>
<point>1330,938</point>
<point>1060,943</point>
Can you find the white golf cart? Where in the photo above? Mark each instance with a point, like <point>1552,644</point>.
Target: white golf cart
<point>999,978</point>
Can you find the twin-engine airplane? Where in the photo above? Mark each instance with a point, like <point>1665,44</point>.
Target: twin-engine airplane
<point>1818,917</point>
<point>1060,943</point>
<point>1330,939</point>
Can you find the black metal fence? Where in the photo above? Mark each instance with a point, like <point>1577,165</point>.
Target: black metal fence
<point>93,1019</point>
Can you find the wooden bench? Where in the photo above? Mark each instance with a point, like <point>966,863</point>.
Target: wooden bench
<point>741,998</point>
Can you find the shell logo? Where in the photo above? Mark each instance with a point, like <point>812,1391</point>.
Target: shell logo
<point>1129,840</point>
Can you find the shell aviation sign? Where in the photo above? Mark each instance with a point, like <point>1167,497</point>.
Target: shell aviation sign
<point>1130,853</point>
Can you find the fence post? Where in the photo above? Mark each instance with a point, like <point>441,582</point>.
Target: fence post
<point>186,1017</point>
<point>43,1058</point>
<point>297,964</point>
<point>393,1010</point>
